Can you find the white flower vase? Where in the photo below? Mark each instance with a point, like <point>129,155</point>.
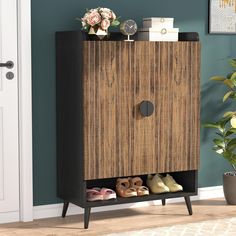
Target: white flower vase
<point>91,31</point>
<point>101,34</point>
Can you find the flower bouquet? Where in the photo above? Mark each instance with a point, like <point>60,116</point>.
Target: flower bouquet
<point>97,21</point>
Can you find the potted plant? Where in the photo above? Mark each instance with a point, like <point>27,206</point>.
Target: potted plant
<point>97,21</point>
<point>224,142</point>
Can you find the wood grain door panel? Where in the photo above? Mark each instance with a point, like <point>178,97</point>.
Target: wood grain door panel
<point>118,76</point>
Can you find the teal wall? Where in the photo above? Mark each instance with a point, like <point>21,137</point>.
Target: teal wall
<point>49,16</point>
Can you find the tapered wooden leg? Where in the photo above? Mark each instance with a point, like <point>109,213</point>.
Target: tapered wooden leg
<point>65,207</point>
<point>163,202</point>
<point>189,205</point>
<point>86,216</point>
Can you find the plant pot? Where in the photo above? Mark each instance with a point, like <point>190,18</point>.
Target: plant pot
<point>229,185</point>
<point>94,37</point>
<point>97,34</point>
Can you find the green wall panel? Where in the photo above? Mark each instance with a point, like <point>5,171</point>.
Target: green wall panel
<point>49,16</point>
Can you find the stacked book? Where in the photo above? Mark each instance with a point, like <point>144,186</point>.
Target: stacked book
<point>158,29</point>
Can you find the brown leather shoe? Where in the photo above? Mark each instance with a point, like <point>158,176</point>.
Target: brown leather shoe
<point>123,188</point>
<point>137,183</point>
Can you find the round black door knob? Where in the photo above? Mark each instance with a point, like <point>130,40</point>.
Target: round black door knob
<point>146,108</point>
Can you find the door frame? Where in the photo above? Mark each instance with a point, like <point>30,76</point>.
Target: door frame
<point>25,109</point>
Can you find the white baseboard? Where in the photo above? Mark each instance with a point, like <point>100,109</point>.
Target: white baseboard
<point>8,217</point>
<point>55,210</point>
<point>209,192</point>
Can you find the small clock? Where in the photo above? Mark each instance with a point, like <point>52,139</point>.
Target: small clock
<point>128,27</point>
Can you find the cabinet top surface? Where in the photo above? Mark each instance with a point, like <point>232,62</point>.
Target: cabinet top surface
<point>184,37</point>
<point>136,41</point>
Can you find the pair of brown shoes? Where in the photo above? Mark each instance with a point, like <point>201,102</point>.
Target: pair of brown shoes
<point>131,187</point>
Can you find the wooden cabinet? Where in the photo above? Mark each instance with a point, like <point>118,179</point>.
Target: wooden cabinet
<point>101,131</point>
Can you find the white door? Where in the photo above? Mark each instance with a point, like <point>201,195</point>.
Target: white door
<point>9,163</point>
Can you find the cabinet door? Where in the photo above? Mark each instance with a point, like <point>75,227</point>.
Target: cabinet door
<point>117,77</point>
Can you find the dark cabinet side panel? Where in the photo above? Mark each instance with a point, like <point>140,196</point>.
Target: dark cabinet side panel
<point>69,111</point>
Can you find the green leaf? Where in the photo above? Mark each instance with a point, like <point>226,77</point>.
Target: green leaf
<point>211,125</point>
<point>227,140</point>
<point>229,75</point>
<point>227,95</point>
<point>233,161</point>
<point>77,18</point>
<point>231,142</point>
<point>221,135</point>
<point>227,155</point>
<point>218,78</point>
<point>223,121</point>
<point>231,147</point>
<point>230,131</point>
<point>229,83</point>
<point>230,157</point>
<point>229,113</point>
<point>219,142</point>
<point>218,150</point>
<point>232,62</point>
<point>115,23</point>
<point>233,76</point>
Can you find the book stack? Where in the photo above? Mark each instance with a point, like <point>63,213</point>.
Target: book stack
<point>158,29</point>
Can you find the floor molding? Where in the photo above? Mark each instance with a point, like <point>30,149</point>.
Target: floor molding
<point>54,210</point>
<point>9,217</point>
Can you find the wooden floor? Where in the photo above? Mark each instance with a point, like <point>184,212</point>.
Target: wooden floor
<point>123,220</point>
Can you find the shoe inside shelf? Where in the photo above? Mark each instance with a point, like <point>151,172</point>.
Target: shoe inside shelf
<point>188,179</point>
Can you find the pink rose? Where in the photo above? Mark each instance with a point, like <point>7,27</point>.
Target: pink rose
<point>113,15</point>
<point>93,18</point>
<point>106,13</point>
<point>92,10</point>
<point>105,24</point>
<point>104,9</point>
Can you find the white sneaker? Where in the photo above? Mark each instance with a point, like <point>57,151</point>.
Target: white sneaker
<point>171,183</point>
<point>156,185</point>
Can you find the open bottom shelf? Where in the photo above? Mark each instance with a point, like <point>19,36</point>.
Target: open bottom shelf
<point>151,197</point>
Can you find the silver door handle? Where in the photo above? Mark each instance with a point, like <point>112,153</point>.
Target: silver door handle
<point>8,64</point>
